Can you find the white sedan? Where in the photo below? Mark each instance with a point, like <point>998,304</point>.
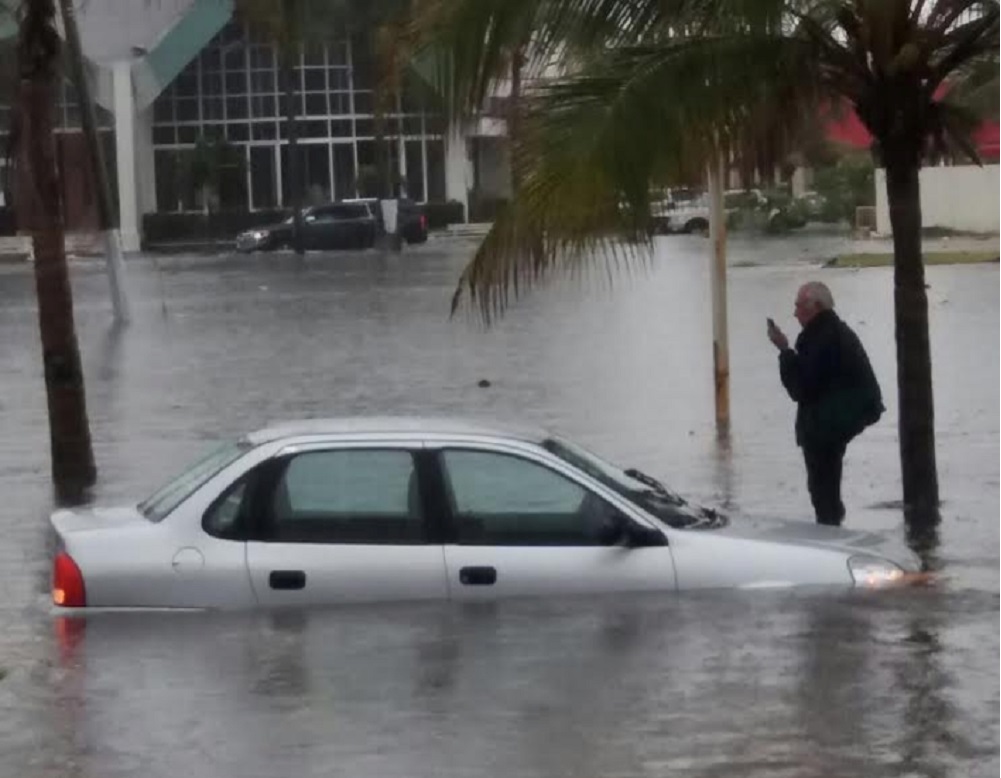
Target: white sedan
<point>353,510</point>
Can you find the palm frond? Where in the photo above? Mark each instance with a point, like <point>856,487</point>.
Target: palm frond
<point>631,118</point>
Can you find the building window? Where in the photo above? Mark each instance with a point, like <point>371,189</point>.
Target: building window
<point>233,90</point>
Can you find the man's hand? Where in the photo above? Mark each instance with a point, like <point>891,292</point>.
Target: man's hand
<point>777,337</point>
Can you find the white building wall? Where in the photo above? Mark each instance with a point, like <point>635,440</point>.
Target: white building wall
<point>960,197</point>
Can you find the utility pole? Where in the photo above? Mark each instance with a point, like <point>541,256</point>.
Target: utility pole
<point>717,282</point>
<point>112,240</point>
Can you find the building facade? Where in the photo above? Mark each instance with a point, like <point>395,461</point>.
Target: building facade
<point>173,78</point>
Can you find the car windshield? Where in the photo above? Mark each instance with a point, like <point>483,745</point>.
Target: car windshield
<point>639,488</point>
<point>157,506</point>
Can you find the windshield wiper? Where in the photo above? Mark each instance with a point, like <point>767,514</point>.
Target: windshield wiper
<point>657,486</point>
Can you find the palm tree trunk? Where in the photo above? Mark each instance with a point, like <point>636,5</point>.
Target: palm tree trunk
<point>69,431</point>
<point>914,377</point>
<point>292,127</point>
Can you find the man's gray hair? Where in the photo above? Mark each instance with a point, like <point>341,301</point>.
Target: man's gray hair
<point>817,292</point>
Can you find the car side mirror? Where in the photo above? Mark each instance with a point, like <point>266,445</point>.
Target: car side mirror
<point>640,536</point>
<point>619,529</point>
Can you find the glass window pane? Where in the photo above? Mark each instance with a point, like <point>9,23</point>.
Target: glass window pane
<point>163,136</point>
<point>337,53</point>
<point>211,83</point>
<point>212,109</point>
<point>262,57</point>
<point>317,173</point>
<point>187,133</point>
<point>339,79</point>
<point>412,125</point>
<point>340,103</point>
<point>214,131</point>
<point>353,496</point>
<point>415,169</point>
<point>236,83</point>
<point>314,55</point>
<point>262,81</point>
<point>365,128</point>
<point>287,174</point>
<point>235,58</point>
<point>211,60</point>
<point>316,105</point>
<point>166,171</point>
<point>341,128</point>
<point>263,131</point>
<point>262,177</point>
<point>262,106</point>
<point>316,80</point>
<point>436,170</point>
<point>313,129</point>
<point>363,102</point>
<point>187,110</point>
<point>499,499</point>
<point>344,171</point>
<point>186,84</point>
<point>237,133</point>
<point>236,107</point>
<point>163,110</point>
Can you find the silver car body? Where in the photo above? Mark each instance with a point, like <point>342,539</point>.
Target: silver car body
<point>128,561</point>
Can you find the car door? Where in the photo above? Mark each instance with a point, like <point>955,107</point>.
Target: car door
<point>344,523</point>
<point>519,524</point>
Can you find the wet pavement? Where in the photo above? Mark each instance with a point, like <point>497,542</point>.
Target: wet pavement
<point>769,684</point>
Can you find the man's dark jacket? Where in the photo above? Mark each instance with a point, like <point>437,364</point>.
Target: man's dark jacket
<point>830,377</point>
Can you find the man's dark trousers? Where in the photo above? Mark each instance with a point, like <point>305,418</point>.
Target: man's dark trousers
<point>823,479</point>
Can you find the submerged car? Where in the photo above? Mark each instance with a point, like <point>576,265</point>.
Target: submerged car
<point>350,225</point>
<point>333,511</point>
<point>346,224</point>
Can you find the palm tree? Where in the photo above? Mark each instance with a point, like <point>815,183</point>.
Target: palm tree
<point>40,207</point>
<point>666,85</point>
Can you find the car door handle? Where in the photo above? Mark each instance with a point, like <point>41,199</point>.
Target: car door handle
<point>287,579</point>
<point>478,576</point>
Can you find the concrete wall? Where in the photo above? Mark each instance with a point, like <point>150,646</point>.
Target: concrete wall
<point>961,197</point>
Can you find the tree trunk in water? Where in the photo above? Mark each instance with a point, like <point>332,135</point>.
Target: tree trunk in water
<point>72,455</point>
<point>914,377</point>
<point>292,129</point>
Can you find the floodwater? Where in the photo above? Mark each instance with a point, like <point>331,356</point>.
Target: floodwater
<point>898,683</point>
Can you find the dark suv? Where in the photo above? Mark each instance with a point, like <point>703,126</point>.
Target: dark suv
<point>340,225</point>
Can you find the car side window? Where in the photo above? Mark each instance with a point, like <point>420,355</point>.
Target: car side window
<point>347,496</point>
<point>223,519</point>
<point>504,500</point>
<point>328,214</point>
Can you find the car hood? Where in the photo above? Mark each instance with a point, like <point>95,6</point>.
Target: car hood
<point>267,228</point>
<point>848,539</point>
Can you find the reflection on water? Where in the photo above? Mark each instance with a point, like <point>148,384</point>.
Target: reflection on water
<point>771,684</point>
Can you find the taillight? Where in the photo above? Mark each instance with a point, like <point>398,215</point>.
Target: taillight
<point>424,222</point>
<point>67,582</point>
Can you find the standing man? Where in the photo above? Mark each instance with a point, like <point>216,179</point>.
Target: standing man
<point>829,376</point>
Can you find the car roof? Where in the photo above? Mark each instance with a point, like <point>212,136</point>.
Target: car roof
<point>394,425</point>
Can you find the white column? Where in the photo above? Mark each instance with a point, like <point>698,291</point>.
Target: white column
<point>125,157</point>
<point>457,168</point>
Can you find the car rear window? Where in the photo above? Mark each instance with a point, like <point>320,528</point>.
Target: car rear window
<point>158,506</point>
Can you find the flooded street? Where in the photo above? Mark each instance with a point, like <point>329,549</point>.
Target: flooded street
<point>753,684</point>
